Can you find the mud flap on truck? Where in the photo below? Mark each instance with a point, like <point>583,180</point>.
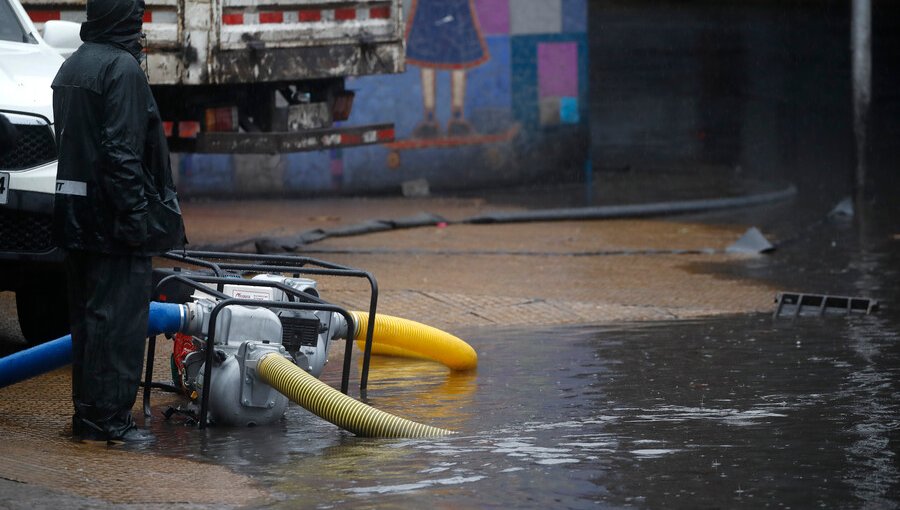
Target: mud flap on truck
<point>279,142</point>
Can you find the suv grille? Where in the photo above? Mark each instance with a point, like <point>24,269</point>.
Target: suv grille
<point>25,231</point>
<point>34,147</point>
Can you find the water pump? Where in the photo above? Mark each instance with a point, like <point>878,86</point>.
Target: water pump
<point>244,335</point>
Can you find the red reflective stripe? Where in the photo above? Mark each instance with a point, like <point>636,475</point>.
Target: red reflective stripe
<point>309,15</point>
<point>344,14</point>
<point>148,16</point>
<point>167,128</point>
<point>386,134</point>
<point>351,139</point>
<point>271,17</point>
<point>221,119</point>
<point>42,16</point>
<point>188,129</point>
<point>233,19</point>
<point>380,12</point>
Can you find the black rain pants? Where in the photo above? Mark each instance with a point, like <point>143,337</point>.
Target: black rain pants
<point>109,299</point>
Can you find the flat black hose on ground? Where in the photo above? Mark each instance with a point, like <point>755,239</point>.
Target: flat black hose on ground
<point>634,210</point>
<point>293,243</point>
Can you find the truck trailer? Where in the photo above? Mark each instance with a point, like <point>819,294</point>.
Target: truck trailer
<point>229,76</point>
<point>259,76</point>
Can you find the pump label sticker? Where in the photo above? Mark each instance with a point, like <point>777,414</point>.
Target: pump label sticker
<point>249,294</point>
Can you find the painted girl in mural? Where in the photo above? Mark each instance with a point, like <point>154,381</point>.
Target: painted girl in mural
<point>444,34</point>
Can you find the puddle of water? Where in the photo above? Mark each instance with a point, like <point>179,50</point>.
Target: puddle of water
<point>713,412</point>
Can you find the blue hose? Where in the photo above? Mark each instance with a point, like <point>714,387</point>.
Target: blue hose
<point>166,318</point>
<point>163,318</point>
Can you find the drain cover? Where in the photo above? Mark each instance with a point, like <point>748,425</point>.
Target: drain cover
<point>794,304</point>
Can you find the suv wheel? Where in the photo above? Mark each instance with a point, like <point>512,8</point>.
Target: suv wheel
<point>43,310</point>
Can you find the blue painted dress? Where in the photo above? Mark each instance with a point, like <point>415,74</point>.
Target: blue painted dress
<point>444,34</point>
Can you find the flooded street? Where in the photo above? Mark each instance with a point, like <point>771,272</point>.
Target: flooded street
<point>720,412</point>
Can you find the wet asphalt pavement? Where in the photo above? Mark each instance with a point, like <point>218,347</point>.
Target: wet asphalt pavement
<point>734,411</point>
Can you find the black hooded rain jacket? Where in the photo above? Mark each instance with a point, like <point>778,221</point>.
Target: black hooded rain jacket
<point>115,192</point>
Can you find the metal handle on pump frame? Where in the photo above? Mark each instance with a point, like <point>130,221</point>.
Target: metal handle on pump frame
<point>325,268</point>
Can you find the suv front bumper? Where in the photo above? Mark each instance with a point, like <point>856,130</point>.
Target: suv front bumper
<point>26,218</point>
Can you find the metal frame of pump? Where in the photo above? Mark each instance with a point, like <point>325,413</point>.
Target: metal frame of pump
<point>217,263</point>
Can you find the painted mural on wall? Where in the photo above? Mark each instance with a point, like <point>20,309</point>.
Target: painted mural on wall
<point>495,92</point>
<point>444,34</point>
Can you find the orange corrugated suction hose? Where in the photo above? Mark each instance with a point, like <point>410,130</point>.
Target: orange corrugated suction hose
<point>394,336</point>
<point>332,405</point>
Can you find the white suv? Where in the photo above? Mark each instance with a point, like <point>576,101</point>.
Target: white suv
<point>30,264</point>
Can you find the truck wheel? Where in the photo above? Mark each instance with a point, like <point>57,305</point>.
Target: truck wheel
<point>43,311</point>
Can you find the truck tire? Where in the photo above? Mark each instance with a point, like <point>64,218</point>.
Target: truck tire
<point>43,310</point>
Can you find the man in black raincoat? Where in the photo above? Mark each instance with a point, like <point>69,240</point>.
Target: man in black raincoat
<point>115,208</point>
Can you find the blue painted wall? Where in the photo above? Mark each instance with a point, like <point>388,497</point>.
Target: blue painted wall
<point>523,117</point>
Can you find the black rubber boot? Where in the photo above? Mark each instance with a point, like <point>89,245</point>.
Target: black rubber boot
<point>86,431</point>
<point>133,435</point>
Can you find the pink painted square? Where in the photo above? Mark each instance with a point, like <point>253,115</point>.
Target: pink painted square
<point>557,69</point>
<point>493,16</point>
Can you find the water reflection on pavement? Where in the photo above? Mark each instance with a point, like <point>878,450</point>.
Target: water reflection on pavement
<point>717,412</point>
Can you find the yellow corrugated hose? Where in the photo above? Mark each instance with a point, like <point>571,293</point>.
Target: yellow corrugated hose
<point>394,336</point>
<point>332,405</point>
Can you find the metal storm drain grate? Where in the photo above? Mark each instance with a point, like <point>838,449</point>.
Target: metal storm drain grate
<point>793,304</point>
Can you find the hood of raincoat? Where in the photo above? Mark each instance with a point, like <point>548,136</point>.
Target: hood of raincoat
<point>116,22</point>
